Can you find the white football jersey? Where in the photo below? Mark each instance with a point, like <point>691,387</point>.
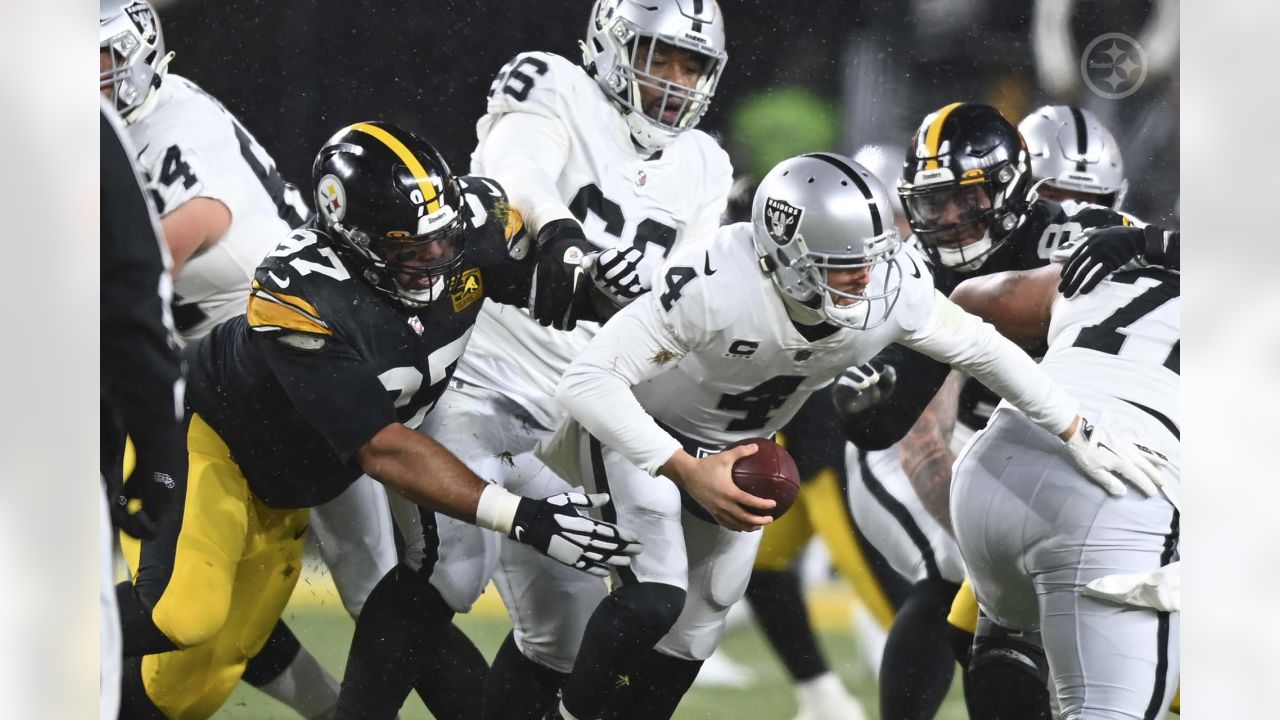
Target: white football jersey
<point>712,354</point>
<point>621,196</point>
<point>190,146</point>
<point>1117,349</point>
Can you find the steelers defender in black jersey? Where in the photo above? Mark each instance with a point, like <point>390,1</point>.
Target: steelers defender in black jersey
<point>354,324</point>
<point>968,191</point>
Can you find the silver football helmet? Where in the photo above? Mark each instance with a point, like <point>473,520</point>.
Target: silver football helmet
<point>620,31</point>
<point>1072,151</point>
<point>822,213</point>
<point>130,39</point>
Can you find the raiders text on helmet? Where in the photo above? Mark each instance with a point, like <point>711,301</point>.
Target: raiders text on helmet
<point>964,183</point>
<point>620,31</point>
<point>1072,151</point>
<point>819,213</point>
<point>389,199</point>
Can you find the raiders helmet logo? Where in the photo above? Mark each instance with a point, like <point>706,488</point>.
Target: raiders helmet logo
<point>781,219</point>
<point>141,15</point>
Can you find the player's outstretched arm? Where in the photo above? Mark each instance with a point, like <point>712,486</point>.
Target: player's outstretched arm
<point>926,452</point>
<point>425,472</point>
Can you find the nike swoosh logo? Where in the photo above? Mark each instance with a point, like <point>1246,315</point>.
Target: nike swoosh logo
<point>915,269</point>
<point>706,266</point>
<point>577,275</point>
<point>1103,446</point>
<point>519,532</point>
<point>282,283</point>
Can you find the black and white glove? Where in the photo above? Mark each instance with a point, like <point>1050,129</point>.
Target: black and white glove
<point>862,387</point>
<point>155,492</point>
<point>615,273</point>
<point>1107,461</point>
<point>1100,252</point>
<point>557,528</point>
<point>560,283</point>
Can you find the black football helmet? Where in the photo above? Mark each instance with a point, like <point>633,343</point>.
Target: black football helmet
<point>389,199</point>
<point>964,183</point>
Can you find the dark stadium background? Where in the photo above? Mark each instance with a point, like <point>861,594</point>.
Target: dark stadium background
<point>297,70</point>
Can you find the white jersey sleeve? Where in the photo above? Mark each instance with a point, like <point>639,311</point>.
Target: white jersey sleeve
<point>648,337</point>
<point>951,335</point>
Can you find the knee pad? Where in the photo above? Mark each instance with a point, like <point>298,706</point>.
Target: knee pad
<point>1008,675</point>
<point>653,606</point>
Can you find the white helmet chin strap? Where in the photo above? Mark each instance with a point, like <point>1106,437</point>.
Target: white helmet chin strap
<point>162,68</point>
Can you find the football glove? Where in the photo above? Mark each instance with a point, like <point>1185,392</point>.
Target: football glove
<point>862,387</point>
<point>560,283</point>
<point>556,528</point>
<point>615,273</point>
<point>153,489</point>
<point>1107,461</point>
<point>1101,252</point>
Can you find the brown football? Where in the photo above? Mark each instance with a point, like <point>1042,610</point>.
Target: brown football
<point>769,473</point>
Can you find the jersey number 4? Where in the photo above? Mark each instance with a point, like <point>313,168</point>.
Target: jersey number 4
<point>759,402</point>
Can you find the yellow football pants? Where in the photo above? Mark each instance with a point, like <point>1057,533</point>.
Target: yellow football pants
<point>820,508</point>
<point>235,563</point>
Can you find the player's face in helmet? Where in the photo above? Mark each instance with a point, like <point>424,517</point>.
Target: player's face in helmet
<point>951,216</point>
<point>421,262</point>
<point>670,67</point>
<point>107,89</point>
<point>848,286</point>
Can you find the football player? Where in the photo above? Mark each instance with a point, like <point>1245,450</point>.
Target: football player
<point>1074,157</point>
<point>965,191</point>
<point>774,592</point>
<point>602,155</point>
<point>142,383</point>
<point>733,338</point>
<point>223,207</point>
<point>1067,573</point>
<point>354,325</point>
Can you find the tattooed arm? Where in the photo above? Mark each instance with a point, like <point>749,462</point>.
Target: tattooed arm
<point>926,452</point>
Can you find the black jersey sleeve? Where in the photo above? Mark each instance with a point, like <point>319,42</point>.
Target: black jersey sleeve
<point>499,243</point>
<point>141,367</point>
<point>323,375</point>
<point>919,379</point>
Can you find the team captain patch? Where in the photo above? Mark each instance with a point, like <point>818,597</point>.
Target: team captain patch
<point>470,289</point>
<point>781,219</point>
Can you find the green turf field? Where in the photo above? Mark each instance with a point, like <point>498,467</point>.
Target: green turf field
<point>323,626</point>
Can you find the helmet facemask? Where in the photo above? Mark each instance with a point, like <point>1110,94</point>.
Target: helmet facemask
<point>620,53</point>
<point>131,47</point>
<point>859,304</point>
<point>963,223</point>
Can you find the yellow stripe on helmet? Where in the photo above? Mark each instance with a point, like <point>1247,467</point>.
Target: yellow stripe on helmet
<point>410,161</point>
<point>933,136</point>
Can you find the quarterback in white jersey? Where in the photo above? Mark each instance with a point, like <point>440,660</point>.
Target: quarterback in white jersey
<point>596,157</point>
<point>728,344</point>
<point>1079,583</point>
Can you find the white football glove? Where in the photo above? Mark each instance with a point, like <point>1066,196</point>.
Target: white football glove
<point>556,528</point>
<point>1107,461</point>
<point>616,273</point>
<point>862,387</point>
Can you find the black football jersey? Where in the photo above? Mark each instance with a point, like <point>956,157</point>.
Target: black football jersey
<point>322,361</point>
<point>1046,226</point>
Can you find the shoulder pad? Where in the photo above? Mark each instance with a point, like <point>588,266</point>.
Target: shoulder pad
<point>531,82</point>
<point>289,282</point>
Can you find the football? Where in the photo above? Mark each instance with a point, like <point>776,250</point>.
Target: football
<point>769,473</point>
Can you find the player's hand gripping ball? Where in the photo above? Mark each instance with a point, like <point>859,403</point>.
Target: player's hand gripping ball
<point>768,473</point>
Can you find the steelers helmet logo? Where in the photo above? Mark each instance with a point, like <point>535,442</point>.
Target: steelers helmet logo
<point>331,198</point>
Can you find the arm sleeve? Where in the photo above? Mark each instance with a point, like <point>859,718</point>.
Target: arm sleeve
<point>329,385</point>
<point>638,343</point>
<point>965,342</point>
<point>141,367</point>
<point>919,378</point>
<point>525,153</point>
